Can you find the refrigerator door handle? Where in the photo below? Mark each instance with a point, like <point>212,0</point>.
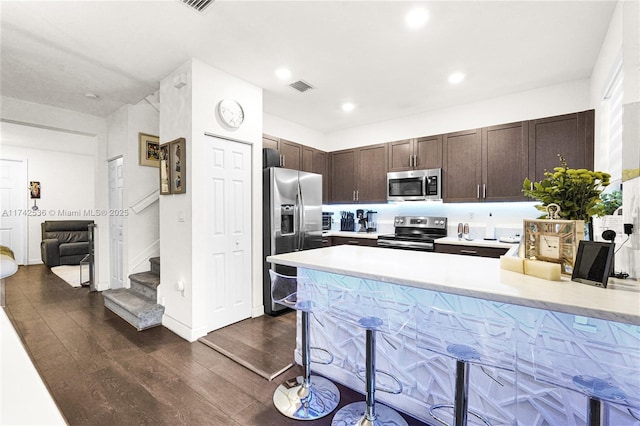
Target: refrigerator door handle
<point>301,224</point>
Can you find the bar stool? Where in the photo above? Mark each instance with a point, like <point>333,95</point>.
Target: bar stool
<point>374,312</point>
<point>469,340</point>
<point>307,397</point>
<point>591,359</point>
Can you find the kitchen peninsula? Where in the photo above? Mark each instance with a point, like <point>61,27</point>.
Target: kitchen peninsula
<point>476,286</point>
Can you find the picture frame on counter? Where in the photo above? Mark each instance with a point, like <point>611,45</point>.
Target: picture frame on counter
<point>552,240</point>
<point>593,263</point>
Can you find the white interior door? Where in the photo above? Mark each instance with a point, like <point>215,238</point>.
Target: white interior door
<point>116,233</point>
<point>13,199</point>
<point>228,204</point>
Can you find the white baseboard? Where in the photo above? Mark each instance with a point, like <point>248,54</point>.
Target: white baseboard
<point>34,262</point>
<point>102,286</point>
<point>257,311</point>
<point>181,329</point>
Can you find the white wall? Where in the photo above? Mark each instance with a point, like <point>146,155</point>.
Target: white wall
<point>141,230</point>
<point>543,102</point>
<point>60,120</point>
<point>189,112</point>
<point>279,127</point>
<point>63,164</point>
<point>622,39</point>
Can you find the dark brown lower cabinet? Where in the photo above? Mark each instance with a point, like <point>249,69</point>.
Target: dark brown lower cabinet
<point>494,252</point>
<point>355,241</point>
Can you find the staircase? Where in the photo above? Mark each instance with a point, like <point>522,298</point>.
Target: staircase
<point>138,305</point>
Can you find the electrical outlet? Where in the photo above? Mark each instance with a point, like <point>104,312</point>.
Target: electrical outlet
<point>472,215</point>
<point>628,228</point>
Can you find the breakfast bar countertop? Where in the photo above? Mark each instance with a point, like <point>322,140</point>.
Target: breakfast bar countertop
<point>472,276</point>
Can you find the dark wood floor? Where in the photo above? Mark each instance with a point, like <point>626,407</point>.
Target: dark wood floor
<point>101,371</point>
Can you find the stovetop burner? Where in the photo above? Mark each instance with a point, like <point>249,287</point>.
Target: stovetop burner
<point>415,232</point>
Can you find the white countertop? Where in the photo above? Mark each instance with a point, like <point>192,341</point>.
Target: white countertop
<point>475,243</point>
<point>475,277</point>
<point>24,398</point>
<point>350,234</point>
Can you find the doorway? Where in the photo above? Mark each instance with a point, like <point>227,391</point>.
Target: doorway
<point>13,198</point>
<point>228,204</point>
<point>116,225</point>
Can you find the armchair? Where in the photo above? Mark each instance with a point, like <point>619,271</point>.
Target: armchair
<point>65,242</point>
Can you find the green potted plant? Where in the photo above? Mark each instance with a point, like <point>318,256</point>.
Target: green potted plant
<point>608,204</point>
<point>576,191</point>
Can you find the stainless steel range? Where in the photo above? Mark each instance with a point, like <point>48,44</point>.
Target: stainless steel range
<point>415,233</point>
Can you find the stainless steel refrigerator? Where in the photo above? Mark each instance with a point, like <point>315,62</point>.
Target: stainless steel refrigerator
<point>292,220</point>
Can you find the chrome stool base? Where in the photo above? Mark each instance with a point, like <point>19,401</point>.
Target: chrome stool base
<point>354,415</point>
<point>451,406</point>
<point>295,402</point>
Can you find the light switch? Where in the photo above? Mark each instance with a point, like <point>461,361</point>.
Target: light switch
<point>181,216</point>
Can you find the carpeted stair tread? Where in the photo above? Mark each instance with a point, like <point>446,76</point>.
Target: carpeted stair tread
<point>137,310</point>
<point>148,279</point>
<point>130,300</point>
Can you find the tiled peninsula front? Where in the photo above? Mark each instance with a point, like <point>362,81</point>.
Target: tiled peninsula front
<point>473,286</point>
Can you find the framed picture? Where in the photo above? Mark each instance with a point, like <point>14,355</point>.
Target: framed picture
<point>164,154</point>
<point>34,189</point>
<point>177,154</point>
<point>149,147</point>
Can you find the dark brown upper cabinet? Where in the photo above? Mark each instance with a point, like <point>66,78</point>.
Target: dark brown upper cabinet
<point>462,166</point>
<point>571,135</point>
<point>270,142</point>
<point>504,161</point>
<point>290,154</point>
<point>359,175</point>
<point>415,154</point>
<point>315,161</point>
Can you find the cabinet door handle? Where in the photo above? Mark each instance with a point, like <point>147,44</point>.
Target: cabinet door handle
<point>284,164</point>
<point>468,252</point>
<point>353,243</point>
<point>484,191</point>
<point>357,195</point>
<point>415,160</point>
<point>411,161</point>
<point>354,195</point>
<point>478,192</point>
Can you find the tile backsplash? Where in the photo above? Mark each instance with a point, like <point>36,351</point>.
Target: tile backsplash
<point>507,216</point>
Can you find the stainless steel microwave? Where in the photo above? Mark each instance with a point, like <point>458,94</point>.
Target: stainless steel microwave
<point>415,185</point>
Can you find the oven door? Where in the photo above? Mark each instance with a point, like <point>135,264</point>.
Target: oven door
<point>401,187</point>
<point>406,244</point>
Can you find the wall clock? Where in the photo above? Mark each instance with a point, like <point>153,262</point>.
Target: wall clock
<point>552,241</point>
<point>231,113</point>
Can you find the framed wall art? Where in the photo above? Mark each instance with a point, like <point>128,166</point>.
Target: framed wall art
<point>177,154</point>
<point>149,147</point>
<point>164,155</point>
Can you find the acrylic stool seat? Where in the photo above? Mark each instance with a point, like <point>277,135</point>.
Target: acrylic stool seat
<point>590,359</point>
<point>373,312</point>
<point>470,340</point>
<point>306,397</point>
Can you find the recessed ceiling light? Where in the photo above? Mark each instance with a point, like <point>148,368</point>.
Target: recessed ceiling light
<point>416,18</point>
<point>91,96</point>
<point>456,78</point>
<point>283,73</point>
<point>348,107</point>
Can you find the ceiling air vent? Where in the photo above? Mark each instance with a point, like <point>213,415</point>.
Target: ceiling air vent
<point>301,86</point>
<point>199,5</point>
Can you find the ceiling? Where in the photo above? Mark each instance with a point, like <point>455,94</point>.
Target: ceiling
<point>54,52</point>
